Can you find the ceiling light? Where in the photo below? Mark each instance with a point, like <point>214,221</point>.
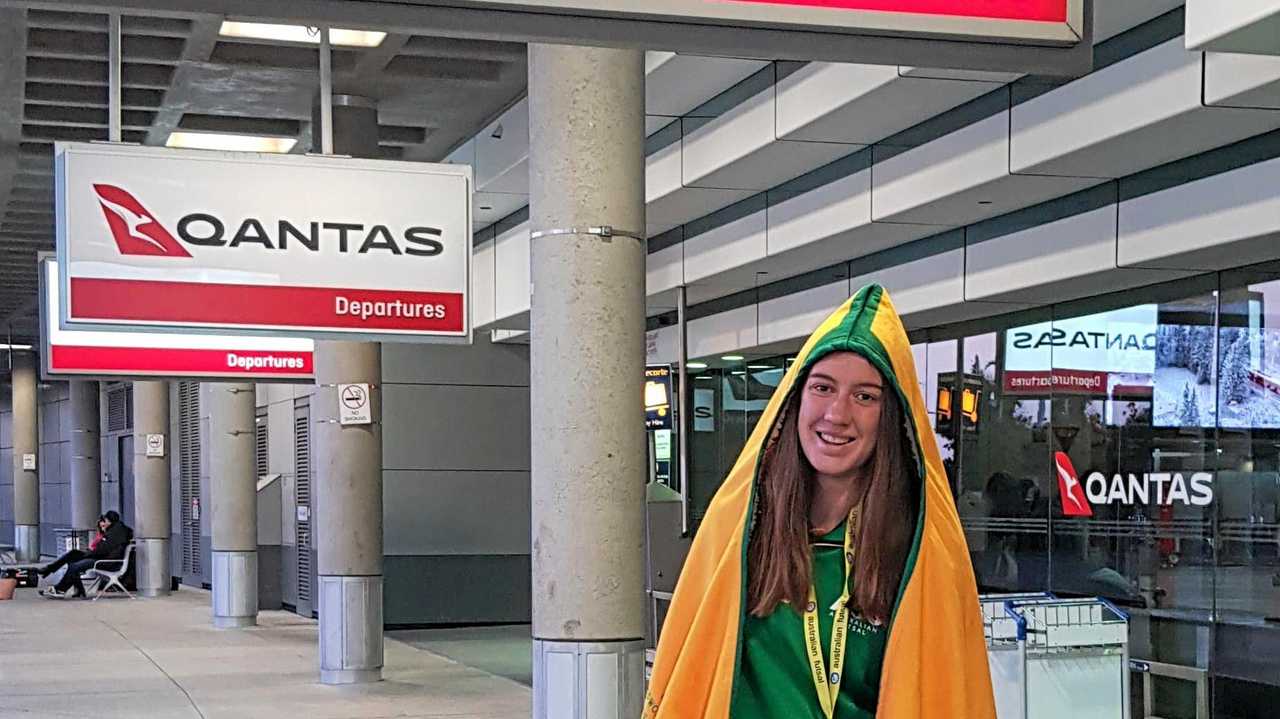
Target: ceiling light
<point>301,33</point>
<point>704,376</point>
<point>4,346</point>
<point>761,366</point>
<point>733,358</point>
<point>696,365</point>
<point>738,372</point>
<point>226,141</point>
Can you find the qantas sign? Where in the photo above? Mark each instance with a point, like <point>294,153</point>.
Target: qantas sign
<point>313,246</point>
<point>1160,488</point>
<point>137,232</point>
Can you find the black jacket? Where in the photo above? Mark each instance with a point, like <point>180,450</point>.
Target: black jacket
<point>113,543</point>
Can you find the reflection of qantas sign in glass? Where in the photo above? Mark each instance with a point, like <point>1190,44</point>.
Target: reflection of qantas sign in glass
<point>138,232</point>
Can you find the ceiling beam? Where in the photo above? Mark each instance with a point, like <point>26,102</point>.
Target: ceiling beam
<point>177,96</point>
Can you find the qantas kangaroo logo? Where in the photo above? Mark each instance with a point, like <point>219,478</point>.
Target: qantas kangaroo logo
<point>136,230</point>
<point>1074,503</point>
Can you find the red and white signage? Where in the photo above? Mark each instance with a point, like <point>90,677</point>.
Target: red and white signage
<point>1048,21</point>
<point>1074,502</point>
<point>307,246</point>
<point>130,354</point>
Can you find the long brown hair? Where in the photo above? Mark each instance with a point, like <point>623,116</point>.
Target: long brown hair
<point>779,559</point>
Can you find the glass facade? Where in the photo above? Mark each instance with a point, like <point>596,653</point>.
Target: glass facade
<point>1124,446</point>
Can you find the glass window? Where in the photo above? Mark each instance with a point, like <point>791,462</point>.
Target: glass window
<point>1134,402</point>
<point>1247,487</point>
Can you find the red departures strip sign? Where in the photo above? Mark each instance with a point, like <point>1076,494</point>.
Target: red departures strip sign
<point>1025,10</point>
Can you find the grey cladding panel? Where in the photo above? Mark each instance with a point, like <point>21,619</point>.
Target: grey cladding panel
<point>457,590</point>
<point>441,427</point>
<point>482,363</point>
<point>456,513</point>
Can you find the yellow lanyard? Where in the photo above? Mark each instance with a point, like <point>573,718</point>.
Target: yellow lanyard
<point>828,685</point>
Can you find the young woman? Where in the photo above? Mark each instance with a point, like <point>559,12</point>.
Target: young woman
<point>830,577</point>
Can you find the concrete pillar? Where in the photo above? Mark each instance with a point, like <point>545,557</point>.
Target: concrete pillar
<point>234,496</point>
<point>586,133</point>
<point>86,466</point>
<point>348,474</point>
<point>26,452</point>
<point>151,488</point>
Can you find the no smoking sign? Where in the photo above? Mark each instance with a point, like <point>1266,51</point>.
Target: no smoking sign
<point>353,404</point>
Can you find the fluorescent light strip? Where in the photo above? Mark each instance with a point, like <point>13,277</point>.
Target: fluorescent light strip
<point>300,34</point>
<point>4,346</point>
<point>227,141</point>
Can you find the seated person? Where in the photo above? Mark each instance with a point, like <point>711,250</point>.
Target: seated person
<point>115,541</point>
<point>75,554</point>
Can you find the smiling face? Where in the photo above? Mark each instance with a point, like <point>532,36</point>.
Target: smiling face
<point>839,416</point>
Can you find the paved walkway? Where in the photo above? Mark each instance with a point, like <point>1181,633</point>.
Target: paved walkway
<point>160,658</point>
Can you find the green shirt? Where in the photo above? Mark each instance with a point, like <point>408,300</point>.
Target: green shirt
<point>775,682</point>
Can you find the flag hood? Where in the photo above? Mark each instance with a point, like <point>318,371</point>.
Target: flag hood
<point>935,664</point>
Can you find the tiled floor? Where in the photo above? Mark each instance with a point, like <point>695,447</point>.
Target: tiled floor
<point>161,658</point>
<point>504,650</point>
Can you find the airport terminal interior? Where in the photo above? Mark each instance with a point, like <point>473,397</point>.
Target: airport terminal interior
<point>392,515</point>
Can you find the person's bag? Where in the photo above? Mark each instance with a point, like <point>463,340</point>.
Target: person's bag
<point>8,584</point>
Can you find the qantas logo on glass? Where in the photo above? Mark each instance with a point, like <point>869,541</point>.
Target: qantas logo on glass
<point>138,232</point>
<point>1148,488</point>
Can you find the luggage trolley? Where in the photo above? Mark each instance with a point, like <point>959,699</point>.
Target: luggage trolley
<point>1056,658</point>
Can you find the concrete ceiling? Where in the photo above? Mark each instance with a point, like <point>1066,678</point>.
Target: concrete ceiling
<point>432,94</point>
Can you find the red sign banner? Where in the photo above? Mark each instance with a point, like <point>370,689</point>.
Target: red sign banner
<point>1057,381</point>
<point>148,361</point>
<point>195,303</point>
<point>1027,10</point>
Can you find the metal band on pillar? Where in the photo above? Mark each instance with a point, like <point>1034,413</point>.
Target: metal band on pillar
<point>604,232</point>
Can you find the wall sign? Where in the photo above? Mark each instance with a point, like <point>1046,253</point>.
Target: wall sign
<point>353,404</point>
<point>293,245</point>
<point>28,462</point>
<point>155,445</point>
<point>72,353</point>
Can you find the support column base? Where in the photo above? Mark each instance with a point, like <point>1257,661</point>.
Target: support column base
<point>350,676</point>
<point>588,680</point>
<point>153,568</point>
<point>26,543</point>
<point>350,629</point>
<point>235,589</point>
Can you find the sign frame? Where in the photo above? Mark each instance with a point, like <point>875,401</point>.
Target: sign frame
<point>155,445</point>
<point>47,346</point>
<point>514,20</point>
<point>222,279</point>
